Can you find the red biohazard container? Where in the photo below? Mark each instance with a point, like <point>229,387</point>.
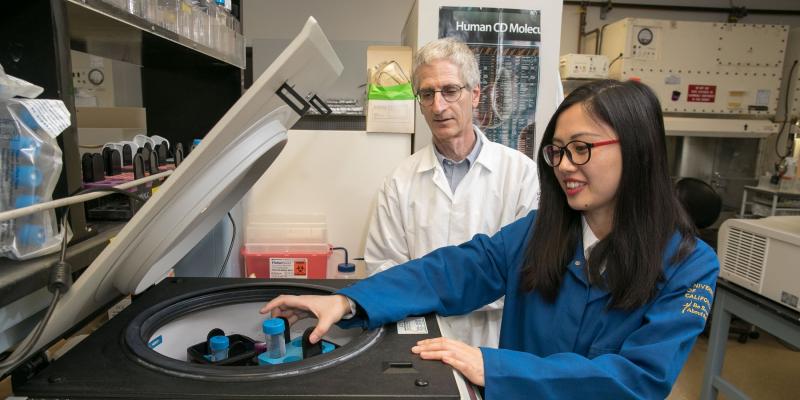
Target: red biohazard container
<point>286,260</point>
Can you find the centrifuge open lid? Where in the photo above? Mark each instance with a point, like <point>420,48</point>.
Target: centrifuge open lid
<point>212,179</point>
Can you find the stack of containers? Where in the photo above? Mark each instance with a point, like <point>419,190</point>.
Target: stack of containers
<point>207,22</point>
<point>287,247</point>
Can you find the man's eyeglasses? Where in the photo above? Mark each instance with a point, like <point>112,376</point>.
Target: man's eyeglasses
<point>578,152</point>
<point>451,94</point>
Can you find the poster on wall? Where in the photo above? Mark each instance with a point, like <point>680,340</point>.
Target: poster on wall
<point>506,43</point>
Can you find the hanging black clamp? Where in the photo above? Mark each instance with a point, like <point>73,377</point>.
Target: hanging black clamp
<point>299,104</point>
<point>320,106</point>
<point>293,99</point>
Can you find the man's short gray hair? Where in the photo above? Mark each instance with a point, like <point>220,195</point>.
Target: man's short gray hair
<point>452,50</point>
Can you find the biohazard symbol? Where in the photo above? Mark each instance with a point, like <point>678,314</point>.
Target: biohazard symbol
<point>300,267</point>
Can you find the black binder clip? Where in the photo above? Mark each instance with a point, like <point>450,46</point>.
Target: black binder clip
<point>92,168</point>
<point>112,162</point>
<point>320,106</point>
<point>297,103</point>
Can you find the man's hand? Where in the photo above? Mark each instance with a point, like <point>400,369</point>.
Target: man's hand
<point>466,359</point>
<point>327,309</point>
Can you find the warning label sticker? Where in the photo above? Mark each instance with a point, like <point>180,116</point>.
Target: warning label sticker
<point>702,93</point>
<point>300,267</point>
<point>412,326</point>
<point>288,268</point>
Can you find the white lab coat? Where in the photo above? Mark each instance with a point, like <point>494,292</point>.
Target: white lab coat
<point>417,212</point>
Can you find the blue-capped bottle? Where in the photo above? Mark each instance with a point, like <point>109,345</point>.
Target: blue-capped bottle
<point>345,271</point>
<point>30,233</point>
<point>20,186</point>
<point>195,143</point>
<point>218,346</point>
<point>273,331</point>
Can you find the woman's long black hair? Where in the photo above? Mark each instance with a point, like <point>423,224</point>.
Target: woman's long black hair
<point>647,212</point>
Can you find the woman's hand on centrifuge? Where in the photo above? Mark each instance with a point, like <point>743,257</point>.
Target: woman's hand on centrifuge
<point>465,358</point>
<point>327,309</point>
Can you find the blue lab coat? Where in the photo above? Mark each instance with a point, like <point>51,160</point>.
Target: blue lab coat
<point>574,348</point>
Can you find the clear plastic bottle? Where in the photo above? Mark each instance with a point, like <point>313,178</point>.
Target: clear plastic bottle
<point>221,27</point>
<point>345,271</point>
<point>134,7</point>
<point>232,30</point>
<point>168,14</point>
<point>218,345</point>
<point>185,19</point>
<point>199,24</point>
<point>273,336</point>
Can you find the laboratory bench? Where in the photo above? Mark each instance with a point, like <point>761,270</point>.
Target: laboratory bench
<point>777,201</point>
<point>733,300</point>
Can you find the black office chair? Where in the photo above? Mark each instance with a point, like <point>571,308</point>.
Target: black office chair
<point>704,205</point>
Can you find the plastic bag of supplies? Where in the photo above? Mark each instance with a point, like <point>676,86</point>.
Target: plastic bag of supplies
<point>30,165</point>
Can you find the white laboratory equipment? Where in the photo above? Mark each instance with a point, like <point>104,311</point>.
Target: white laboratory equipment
<point>142,352</point>
<point>761,255</point>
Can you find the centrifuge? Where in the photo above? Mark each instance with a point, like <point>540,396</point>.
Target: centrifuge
<point>142,352</point>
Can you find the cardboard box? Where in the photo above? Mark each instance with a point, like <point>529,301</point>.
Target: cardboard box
<point>100,125</point>
<point>112,117</point>
<point>389,65</point>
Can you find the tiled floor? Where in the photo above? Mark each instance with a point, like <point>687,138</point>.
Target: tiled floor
<point>763,368</point>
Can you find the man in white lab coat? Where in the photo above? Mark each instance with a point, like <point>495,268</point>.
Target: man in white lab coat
<point>461,185</point>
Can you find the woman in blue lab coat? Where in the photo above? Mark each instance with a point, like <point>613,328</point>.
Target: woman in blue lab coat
<point>606,285</point>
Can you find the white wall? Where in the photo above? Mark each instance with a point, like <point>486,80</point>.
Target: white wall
<point>351,26</point>
<point>333,173</point>
<point>352,53</point>
<point>379,20</point>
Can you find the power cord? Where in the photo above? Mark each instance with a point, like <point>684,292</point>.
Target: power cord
<point>59,283</point>
<point>23,352</point>
<point>614,60</point>
<point>346,266</point>
<point>785,113</point>
<point>230,247</point>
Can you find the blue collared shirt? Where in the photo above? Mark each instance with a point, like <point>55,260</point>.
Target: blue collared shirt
<point>456,171</point>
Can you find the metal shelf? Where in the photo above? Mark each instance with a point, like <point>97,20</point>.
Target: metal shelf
<point>774,204</point>
<point>100,28</point>
<point>186,88</point>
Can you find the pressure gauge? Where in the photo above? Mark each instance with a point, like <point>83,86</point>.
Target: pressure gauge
<point>96,76</point>
<point>645,36</point>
